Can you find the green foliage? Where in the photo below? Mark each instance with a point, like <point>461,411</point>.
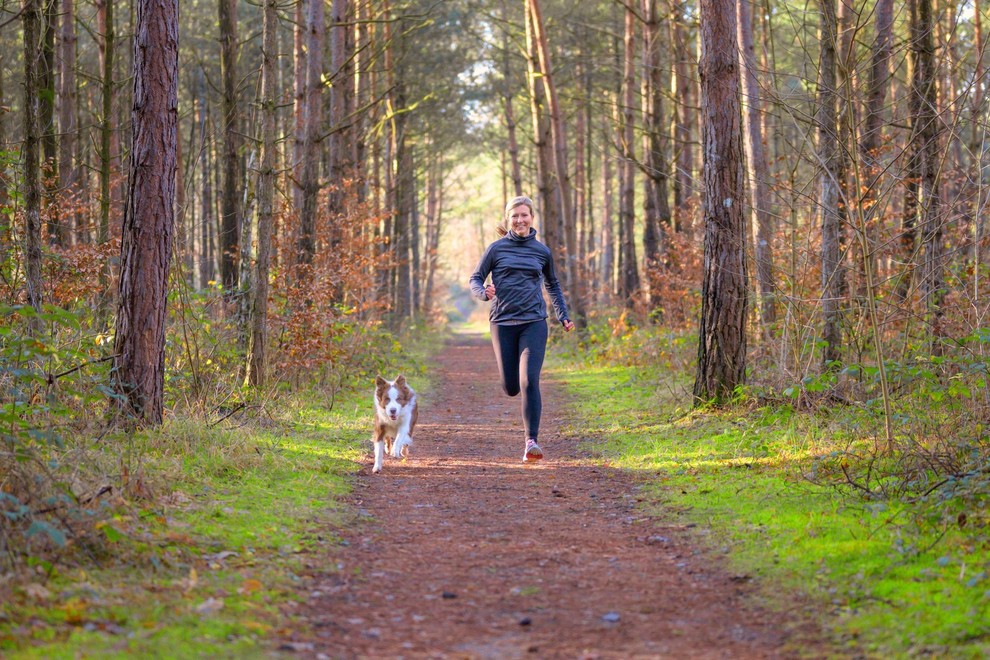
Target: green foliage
<point>45,381</point>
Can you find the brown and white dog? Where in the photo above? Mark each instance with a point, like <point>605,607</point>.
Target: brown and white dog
<point>395,418</point>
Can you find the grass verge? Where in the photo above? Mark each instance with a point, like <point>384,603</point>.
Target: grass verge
<point>888,581</point>
<point>200,547</point>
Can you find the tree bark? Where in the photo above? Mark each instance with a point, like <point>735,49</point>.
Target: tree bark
<point>68,156</point>
<point>928,134</point>
<point>722,332</point>
<point>830,176</point>
<point>232,182</point>
<point>46,115</point>
<point>146,249</point>
<point>510,119</point>
<point>657,216</point>
<point>306,246</point>
<point>108,51</point>
<point>258,343</point>
<point>757,167</point>
<point>629,273</point>
<point>683,89</point>
<point>299,106</point>
<point>871,205</point>
<point>31,14</point>
<point>543,142</point>
<point>560,166</point>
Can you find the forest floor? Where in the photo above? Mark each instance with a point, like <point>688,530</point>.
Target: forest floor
<point>464,551</point>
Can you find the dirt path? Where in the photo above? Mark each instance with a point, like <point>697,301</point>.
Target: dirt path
<point>465,552</point>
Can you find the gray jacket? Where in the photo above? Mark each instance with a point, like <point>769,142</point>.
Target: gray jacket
<point>520,267</point>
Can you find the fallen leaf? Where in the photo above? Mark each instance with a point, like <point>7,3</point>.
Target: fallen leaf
<point>249,586</point>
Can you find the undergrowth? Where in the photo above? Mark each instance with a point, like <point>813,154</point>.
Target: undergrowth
<point>890,543</point>
<point>186,540</point>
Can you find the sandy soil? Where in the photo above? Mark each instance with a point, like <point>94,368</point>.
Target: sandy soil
<point>464,551</point>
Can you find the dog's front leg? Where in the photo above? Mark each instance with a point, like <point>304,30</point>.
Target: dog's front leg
<point>400,449</point>
<point>379,440</point>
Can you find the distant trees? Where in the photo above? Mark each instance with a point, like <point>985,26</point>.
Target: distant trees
<point>860,127</point>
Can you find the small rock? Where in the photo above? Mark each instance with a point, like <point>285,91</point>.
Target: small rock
<point>525,621</point>
<point>653,540</point>
<point>209,606</point>
<point>448,595</point>
<point>611,617</point>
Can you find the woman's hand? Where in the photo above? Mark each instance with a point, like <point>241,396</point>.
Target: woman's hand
<point>490,291</point>
<point>568,325</point>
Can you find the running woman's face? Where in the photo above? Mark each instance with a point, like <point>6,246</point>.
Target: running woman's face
<point>520,220</point>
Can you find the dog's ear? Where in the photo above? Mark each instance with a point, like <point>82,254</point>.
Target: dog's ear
<point>400,381</point>
<point>380,382</point>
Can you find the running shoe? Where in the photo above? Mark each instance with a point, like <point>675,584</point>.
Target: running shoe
<point>533,451</point>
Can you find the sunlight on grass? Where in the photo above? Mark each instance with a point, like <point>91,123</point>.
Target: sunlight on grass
<point>887,585</point>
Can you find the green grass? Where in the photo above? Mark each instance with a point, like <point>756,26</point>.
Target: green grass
<point>204,563</point>
<point>887,585</point>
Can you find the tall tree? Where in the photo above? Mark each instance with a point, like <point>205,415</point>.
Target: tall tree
<point>46,115</point>
<point>560,167</point>
<point>31,14</point>
<point>722,333</point>
<point>315,31</point>
<point>830,176</point>
<point>628,267</point>
<point>927,133</point>
<point>257,345</point>
<point>230,207</point>
<point>108,46</point>
<point>656,206</point>
<point>542,141</point>
<point>68,166</point>
<point>756,162</point>
<point>146,249</point>
<point>871,203</point>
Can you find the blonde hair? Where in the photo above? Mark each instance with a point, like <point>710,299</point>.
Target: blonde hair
<point>503,227</point>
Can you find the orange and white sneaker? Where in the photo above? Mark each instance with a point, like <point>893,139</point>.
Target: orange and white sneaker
<point>533,451</point>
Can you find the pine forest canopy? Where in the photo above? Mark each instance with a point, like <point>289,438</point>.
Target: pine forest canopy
<point>348,159</point>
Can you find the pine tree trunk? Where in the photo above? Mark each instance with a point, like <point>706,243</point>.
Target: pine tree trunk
<point>657,217</point>
<point>230,211</point>
<point>258,343</point>
<point>683,88</point>
<point>872,206</point>
<point>510,118</point>
<point>757,167</point>
<point>107,52</point>
<point>299,106</point>
<point>561,169</point>
<point>543,142</point>
<point>68,167</point>
<point>830,176</point>
<point>139,346</point>
<point>31,14</point>
<point>306,246</point>
<point>722,333</point>
<point>46,115</point>
<point>629,273</point>
<point>928,134</point>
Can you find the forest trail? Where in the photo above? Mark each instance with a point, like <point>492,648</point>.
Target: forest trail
<point>463,551</point>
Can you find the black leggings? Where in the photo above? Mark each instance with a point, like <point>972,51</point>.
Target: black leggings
<point>519,351</point>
